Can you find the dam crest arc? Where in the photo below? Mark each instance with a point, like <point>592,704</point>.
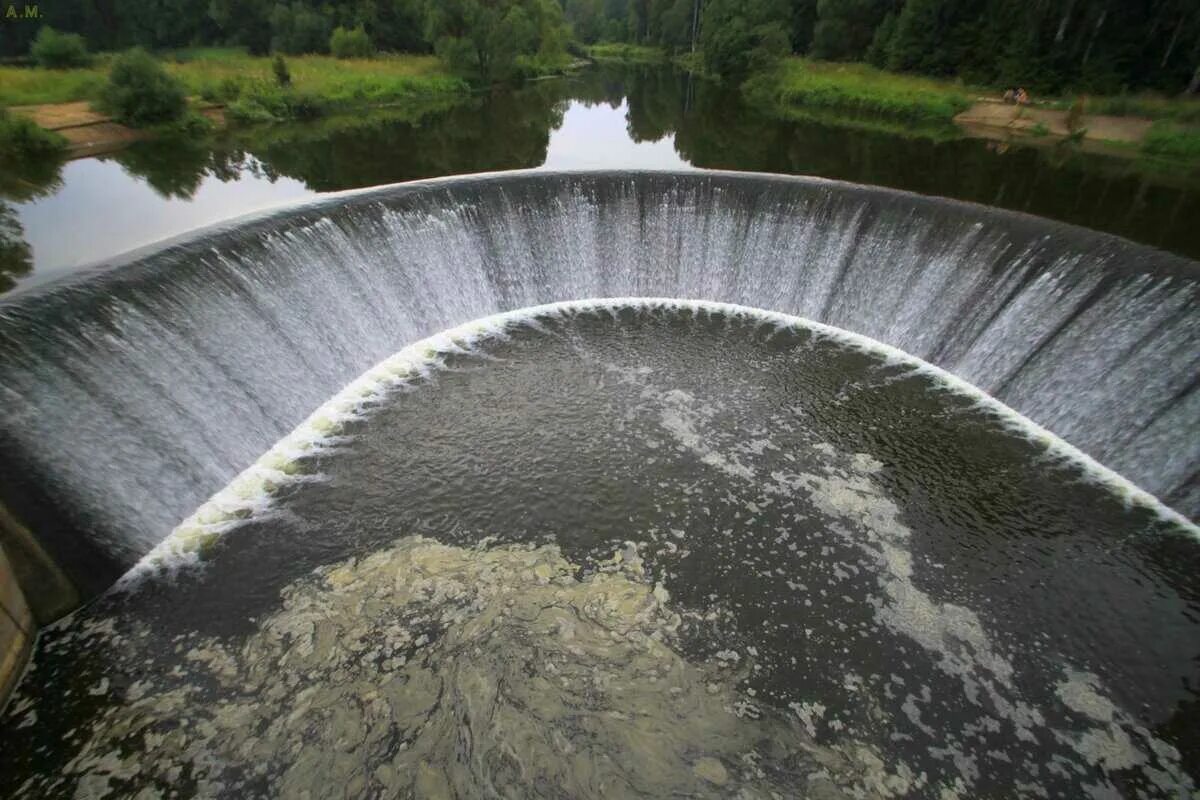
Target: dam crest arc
<point>197,355</point>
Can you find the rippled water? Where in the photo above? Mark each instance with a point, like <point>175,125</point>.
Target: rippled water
<point>635,552</point>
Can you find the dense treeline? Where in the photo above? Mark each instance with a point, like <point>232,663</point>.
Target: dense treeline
<point>484,38</point>
<point>1096,45</point>
<point>1092,45</point>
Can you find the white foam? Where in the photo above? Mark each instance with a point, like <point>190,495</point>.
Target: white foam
<point>250,492</point>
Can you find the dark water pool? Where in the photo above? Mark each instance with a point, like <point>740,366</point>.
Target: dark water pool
<point>54,218</point>
<point>647,552</point>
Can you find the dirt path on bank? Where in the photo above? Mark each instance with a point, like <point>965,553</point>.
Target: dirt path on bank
<point>90,133</point>
<point>1023,119</point>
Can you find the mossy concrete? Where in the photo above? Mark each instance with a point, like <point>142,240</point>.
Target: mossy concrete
<point>44,587</point>
<point>17,629</point>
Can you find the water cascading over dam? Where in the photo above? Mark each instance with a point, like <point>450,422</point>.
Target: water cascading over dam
<point>134,391</point>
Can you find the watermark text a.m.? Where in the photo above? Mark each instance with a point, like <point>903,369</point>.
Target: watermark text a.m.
<point>12,11</point>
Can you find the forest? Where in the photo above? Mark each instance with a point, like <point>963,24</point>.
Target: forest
<point>1099,46</point>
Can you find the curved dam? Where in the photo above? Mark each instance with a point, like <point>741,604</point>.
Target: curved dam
<point>137,389</point>
<point>638,548</point>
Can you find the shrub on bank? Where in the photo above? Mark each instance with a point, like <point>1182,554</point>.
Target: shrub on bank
<point>350,43</point>
<point>283,76</point>
<point>22,139</point>
<point>140,92</point>
<point>1172,141</point>
<point>260,101</point>
<point>54,50</point>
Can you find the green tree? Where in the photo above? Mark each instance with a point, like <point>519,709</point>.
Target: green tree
<point>678,25</point>
<point>244,22</point>
<point>740,36</point>
<point>140,92</point>
<point>877,53</point>
<point>804,18</point>
<point>844,28</point>
<point>54,50</point>
<point>350,43</point>
<point>484,38</point>
<point>399,25</point>
<point>586,18</point>
<point>297,29</point>
<point>936,37</point>
<point>156,24</point>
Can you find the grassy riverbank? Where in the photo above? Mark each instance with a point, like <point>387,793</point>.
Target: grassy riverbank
<point>1171,140</point>
<point>800,86</point>
<point>231,76</point>
<point>628,53</point>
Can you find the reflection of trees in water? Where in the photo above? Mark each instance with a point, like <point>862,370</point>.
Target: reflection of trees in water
<point>16,257</point>
<point>30,179</point>
<point>1114,194</point>
<point>21,183</point>
<point>174,166</point>
<point>505,130</point>
<point>712,128</point>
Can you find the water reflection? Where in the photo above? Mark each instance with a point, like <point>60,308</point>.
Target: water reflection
<point>58,218</point>
<point>21,183</point>
<point>16,257</point>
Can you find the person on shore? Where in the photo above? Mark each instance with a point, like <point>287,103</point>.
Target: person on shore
<point>1022,97</point>
<point>1010,97</point>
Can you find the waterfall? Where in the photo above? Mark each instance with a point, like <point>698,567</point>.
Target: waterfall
<point>135,389</point>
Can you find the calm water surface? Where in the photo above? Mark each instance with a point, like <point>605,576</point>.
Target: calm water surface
<point>56,218</point>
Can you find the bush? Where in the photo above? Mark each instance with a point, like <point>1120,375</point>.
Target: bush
<point>265,102</point>
<point>283,76</point>
<point>140,92</point>
<point>22,139</point>
<point>54,50</point>
<point>350,43</point>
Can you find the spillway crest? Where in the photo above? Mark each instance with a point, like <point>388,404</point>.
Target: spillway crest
<point>136,390</point>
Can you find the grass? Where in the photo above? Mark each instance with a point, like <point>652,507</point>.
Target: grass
<point>1150,106</point>
<point>800,84</point>
<point>27,86</point>
<point>928,130</point>
<point>226,75</point>
<point>336,83</point>
<point>631,53</point>
<point>1171,140</point>
<point>636,54</point>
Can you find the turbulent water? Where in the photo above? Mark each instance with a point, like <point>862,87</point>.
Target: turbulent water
<point>438,672</point>
<point>134,393</point>
<point>631,549</point>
